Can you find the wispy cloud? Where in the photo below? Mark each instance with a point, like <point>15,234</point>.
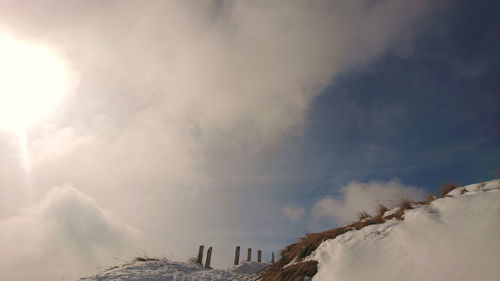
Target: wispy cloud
<point>358,196</point>
<point>293,213</point>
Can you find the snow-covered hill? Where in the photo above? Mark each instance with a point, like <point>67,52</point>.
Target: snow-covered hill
<point>453,238</point>
<point>163,270</point>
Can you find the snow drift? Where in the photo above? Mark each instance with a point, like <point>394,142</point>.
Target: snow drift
<point>164,270</point>
<point>452,238</point>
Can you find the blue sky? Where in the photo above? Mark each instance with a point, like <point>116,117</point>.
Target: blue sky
<point>426,118</point>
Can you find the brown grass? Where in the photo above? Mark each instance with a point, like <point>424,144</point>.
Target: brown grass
<point>363,215</point>
<point>381,209</point>
<point>306,245</point>
<point>193,260</point>
<point>295,272</point>
<point>405,204</point>
<point>142,259</point>
<point>446,188</point>
<point>378,219</point>
<point>360,224</point>
<point>428,200</point>
<point>398,215</point>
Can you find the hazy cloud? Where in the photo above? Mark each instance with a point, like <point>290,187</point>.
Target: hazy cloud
<point>55,143</point>
<point>244,71</point>
<point>293,213</point>
<point>182,104</point>
<point>358,196</point>
<point>65,234</point>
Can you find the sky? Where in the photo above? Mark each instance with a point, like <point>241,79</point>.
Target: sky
<point>132,128</point>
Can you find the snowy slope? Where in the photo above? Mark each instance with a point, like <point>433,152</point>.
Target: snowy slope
<point>454,238</point>
<point>177,271</point>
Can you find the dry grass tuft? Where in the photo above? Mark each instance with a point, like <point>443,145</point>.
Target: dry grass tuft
<point>306,245</point>
<point>360,224</point>
<point>398,215</point>
<point>378,219</point>
<point>363,215</point>
<point>381,209</point>
<point>446,188</point>
<point>405,204</point>
<point>429,199</point>
<point>193,260</point>
<point>145,258</point>
<point>295,272</point>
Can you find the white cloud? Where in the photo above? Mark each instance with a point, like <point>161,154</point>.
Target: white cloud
<point>55,143</point>
<point>244,69</point>
<point>358,196</point>
<point>189,84</point>
<point>64,235</point>
<point>293,213</point>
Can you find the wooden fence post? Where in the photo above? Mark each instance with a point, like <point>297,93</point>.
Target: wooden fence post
<point>249,257</point>
<point>200,255</point>
<point>209,257</point>
<point>237,256</point>
<point>272,257</point>
<point>259,256</point>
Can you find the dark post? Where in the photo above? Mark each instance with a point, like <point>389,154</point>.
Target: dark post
<point>259,256</point>
<point>272,257</point>
<point>200,255</point>
<point>249,257</point>
<point>237,256</point>
<point>209,257</point>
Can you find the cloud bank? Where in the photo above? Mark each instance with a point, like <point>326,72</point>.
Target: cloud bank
<point>204,76</point>
<point>63,234</point>
<point>358,196</point>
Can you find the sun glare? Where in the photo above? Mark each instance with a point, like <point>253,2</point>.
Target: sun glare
<point>33,80</point>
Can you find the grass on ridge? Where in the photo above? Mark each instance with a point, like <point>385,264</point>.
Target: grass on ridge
<point>296,252</point>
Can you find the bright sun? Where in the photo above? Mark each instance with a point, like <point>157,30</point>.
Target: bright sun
<point>33,80</point>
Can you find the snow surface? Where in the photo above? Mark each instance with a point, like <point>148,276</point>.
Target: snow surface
<point>177,271</point>
<point>454,238</point>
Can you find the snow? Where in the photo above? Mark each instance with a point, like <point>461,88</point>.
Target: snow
<point>250,267</point>
<point>391,212</point>
<point>454,238</point>
<point>175,271</point>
